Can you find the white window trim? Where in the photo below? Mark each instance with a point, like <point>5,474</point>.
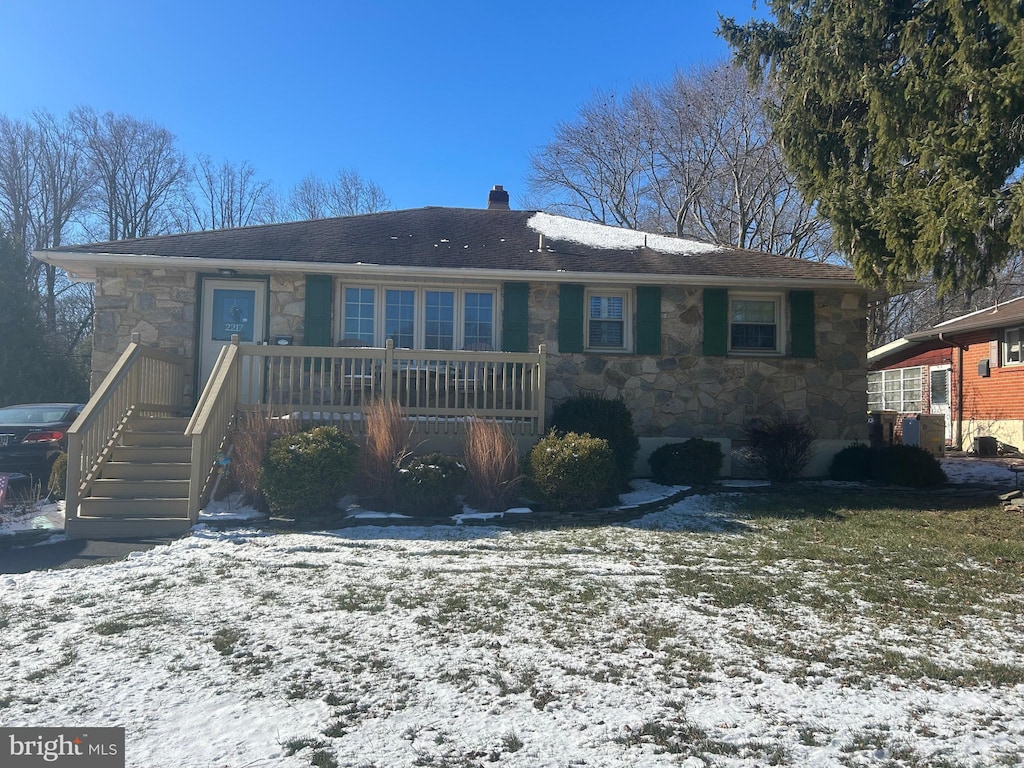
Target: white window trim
<point>1005,346</point>
<point>627,319</point>
<point>781,335</point>
<point>420,307</point>
<point>877,390</point>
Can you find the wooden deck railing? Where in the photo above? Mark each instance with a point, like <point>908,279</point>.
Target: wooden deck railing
<point>438,389</point>
<point>144,381</point>
<point>211,424</point>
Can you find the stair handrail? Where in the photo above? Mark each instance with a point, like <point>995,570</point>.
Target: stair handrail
<point>143,379</point>
<point>211,423</point>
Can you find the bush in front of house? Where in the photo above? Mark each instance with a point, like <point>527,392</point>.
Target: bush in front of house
<point>853,463</point>
<point>908,465</point>
<point>573,471</point>
<point>693,462</point>
<point>604,418</point>
<point>250,440</point>
<point>57,486</point>
<point>780,445</point>
<point>305,472</point>
<point>429,485</point>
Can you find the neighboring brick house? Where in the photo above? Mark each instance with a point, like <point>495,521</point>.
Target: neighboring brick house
<point>696,338</point>
<point>970,369</point>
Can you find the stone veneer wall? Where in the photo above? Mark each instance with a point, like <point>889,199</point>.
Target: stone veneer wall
<point>682,393</point>
<point>677,394</point>
<point>160,305</point>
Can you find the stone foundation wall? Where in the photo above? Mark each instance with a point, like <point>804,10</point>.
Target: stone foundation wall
<point>681,393</point>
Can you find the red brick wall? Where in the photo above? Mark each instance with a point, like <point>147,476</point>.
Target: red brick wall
<point>1001,395</point>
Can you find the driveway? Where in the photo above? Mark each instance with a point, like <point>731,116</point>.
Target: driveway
<point>72,553</point>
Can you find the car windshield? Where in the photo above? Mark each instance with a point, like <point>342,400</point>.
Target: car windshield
<point>32,414</point>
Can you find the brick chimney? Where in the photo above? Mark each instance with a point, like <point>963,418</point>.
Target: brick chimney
<point>497,199</point>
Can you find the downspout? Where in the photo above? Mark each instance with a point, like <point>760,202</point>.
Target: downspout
<point>959,433</point>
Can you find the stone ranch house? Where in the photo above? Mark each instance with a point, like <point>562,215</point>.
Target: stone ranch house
<point>697,339</point>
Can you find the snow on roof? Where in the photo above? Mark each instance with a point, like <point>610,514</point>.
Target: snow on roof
<point>614,238</point>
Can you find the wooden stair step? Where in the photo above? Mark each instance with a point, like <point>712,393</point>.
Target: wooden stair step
<point>148,488</point>
<point>103,506</point>
<point>158,424</point>
<point>127,470</point>
<point>126,527</point>
<point>155,439</point>
<point>151,455</point>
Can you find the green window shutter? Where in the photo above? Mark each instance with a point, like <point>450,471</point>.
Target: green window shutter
<point>514,325</point>
<point>648,320</point>
<point>570,318</point>
<point>801,323</point>
<point>318,311</point>
<point>716,321</point>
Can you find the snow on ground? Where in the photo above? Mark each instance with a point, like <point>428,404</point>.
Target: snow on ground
<point>473,645</point>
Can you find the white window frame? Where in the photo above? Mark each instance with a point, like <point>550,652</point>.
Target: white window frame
<point>420,310</point>
<point>779,302</point>
<point>896,389</point>
<point>627,318</point>
<point>1007,346</point>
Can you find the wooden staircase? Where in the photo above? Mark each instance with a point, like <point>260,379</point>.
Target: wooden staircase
<point>143,490</point>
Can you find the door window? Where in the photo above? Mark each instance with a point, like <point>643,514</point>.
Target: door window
<point>233,313</point>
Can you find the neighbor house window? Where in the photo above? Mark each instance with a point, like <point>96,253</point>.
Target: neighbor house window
<point>1012,346</point>
<point>606,320</point>
<point>419,318</point>
<point>896,390</point>
<point>754,323</point>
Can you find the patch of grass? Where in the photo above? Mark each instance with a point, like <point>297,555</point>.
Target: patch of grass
<point>511,742</point>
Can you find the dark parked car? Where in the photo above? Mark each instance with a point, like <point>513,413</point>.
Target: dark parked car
<point>32,436</point>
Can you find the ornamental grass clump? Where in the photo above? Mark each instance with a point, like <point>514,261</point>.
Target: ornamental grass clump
<point>693,462</point>
<point>573,471</point>
<point>388,445</point>
<point>306,472</point>
<point>491,458</point>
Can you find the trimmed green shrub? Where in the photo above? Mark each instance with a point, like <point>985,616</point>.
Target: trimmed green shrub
<point>851,463</point>
<point>693,462</point>
<point>429,484</point>
<point>780,445</point>
<point>907,465</point>
<point>57,487</point>
<point>573,471</point>
<point>604,418</point>
<point>304,472</point>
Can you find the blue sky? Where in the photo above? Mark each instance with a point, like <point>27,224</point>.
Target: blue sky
<point>436,102</point>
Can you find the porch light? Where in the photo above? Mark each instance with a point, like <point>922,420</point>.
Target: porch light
<point>224,272</point>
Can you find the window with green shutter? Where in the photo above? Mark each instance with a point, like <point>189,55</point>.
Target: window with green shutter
<point>716,321</point>
<point>319,300</point>
<point>648,320</point>
<point>801,319</point>
<point>515,314</point>
<point>570,318</point>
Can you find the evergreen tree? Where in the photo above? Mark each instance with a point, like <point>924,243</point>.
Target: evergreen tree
<point>29,372</point>
<point>904,120</point>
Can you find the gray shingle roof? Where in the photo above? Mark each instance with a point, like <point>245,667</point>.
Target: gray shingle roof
<point>1008,314</point>
<point>456,238</point>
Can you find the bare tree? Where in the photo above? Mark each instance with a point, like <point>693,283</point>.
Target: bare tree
<point>139,172</point>
<point>348,195</point>
<point>225,195</point>
<point>695,157</point>
<point>18,180</point>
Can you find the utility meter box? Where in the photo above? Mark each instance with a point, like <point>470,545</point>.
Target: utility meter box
<point>926,430</point>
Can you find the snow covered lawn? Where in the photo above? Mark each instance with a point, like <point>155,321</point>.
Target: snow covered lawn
<point>695,636</point>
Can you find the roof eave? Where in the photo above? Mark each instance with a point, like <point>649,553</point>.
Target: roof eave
<point>83,265</point>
